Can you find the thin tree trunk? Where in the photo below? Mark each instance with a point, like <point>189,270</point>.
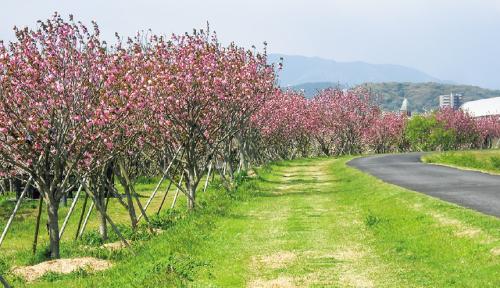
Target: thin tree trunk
<point>143,212</point>
<point>191,189</point>
<point>37,226</point>
<point>117,231</point>
<point>65,200</point>
<point>103,226</point>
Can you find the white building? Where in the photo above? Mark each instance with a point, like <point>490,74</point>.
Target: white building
<point>405,109</point>
<point>483,107</point>
<point>452,100</point>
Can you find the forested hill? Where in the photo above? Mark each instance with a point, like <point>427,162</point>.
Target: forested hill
<point>421,96</point>
<point>424,96</point>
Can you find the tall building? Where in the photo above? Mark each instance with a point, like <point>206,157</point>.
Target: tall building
<point>453,100</point>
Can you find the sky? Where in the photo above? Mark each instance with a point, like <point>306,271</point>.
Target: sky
<point>454,40</point>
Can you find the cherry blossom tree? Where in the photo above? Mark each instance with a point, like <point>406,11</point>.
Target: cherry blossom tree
<point>489,129</point>
<point>285,125</point>
<point>385,132</point>
<point>341,117</point>
<point>463,126</point>
<point>203,92</point>
<point>51,82</point>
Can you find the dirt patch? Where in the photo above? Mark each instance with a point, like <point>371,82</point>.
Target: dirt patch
<point>445,220</point>
<point>251,173</point>
<point>470,233</point>
<point>281,282</point>
<point>348,254</point>
<point>320,278</point>
<point>352,279</point>
<point>463,230</point>
<point>114,246</point>
<point>495,251</point>
<point>276,260</point>
<point>61,266</point>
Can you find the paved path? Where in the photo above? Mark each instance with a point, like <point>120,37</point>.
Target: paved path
<point>475,190</point>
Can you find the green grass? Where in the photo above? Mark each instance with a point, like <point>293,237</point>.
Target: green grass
<point>310,223</point>
<point>482,160</point>
<point>16,249</point>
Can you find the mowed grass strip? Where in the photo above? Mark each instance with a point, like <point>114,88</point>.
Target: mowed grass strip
<point>313,223</point>
<point>482,160</point>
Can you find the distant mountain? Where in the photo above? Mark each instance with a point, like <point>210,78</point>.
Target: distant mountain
<point>310,89</point>
<point>421,96</point>
<point>301,69</point>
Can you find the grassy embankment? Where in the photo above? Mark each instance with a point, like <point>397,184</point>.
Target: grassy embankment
<point>316,223</point>
<point>482,160</point>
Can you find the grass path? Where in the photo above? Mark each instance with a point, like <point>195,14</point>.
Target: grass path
<point>319,223</point>
<point>316,223</point>
<point>297,235</point>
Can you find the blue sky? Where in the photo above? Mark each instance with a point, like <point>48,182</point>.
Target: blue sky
<point>453,40</point>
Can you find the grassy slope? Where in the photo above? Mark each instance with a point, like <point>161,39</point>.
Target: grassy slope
<point>16,249</point>
<point>315,223</point>
<point>482,160</point>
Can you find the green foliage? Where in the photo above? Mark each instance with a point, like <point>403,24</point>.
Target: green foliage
<point>166,219</point>
<point>425,133</point>
<point>495,162</point>
<point>92,238</point>
<point>51,276</point>
<point>3,266</point>
<point>179,269</point>
<point>371,220</point>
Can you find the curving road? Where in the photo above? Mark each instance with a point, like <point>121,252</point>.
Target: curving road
<point>475,190</point>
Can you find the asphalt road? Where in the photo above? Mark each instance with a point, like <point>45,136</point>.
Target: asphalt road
<point>475,190</point>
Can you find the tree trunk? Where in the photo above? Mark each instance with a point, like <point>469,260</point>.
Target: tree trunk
<point>192,195</point>
<point>53,225</point>
<point>37,226</point>
<point>243,154</point>
<point>103,225</point>
<point>191,188</point>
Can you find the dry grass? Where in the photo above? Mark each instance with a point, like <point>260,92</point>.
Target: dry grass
<point>276,260</point>
<point>61,266</point>
<point>280,282</point>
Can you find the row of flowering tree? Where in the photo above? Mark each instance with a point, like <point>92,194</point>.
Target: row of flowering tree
<point>76,114</point>
<point>74,110</point>
<point>339,122</point>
